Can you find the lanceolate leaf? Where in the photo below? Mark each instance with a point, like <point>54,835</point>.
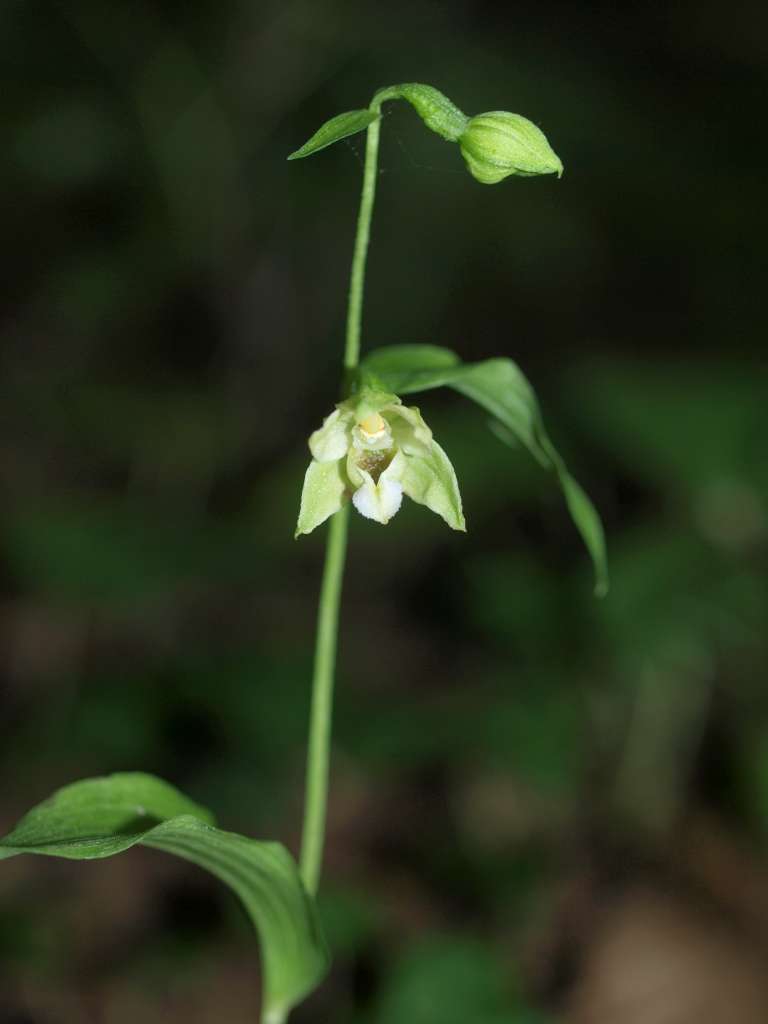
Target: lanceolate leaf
<point>500,387</point>
<point>338,128</point>
<point>101,817</point>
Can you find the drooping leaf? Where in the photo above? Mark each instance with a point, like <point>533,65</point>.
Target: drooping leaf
<point>103,816</point>
<point>405,369</point>
<point>338,128</point>
<point>500,387</point>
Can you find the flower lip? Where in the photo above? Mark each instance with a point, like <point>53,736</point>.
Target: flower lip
<point>379,497</point>
<point>374,462</point>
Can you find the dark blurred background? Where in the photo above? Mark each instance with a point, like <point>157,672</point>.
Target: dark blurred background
<point>545,807</point>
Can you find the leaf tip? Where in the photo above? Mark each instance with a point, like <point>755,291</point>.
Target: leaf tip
<point>601,589</point>
<point>276,1015</point>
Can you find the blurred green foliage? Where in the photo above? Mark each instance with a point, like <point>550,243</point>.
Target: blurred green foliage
<point>171,329</point>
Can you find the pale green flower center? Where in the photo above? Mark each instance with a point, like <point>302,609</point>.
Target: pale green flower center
<point>372,434</point>
<point>372,426</point>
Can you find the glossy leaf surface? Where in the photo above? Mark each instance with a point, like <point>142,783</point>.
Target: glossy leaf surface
<point>100,817</point>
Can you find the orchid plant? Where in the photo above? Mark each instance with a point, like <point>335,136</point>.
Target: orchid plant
<point>370,452</point>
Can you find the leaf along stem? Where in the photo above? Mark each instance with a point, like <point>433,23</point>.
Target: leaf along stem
<point>318,753</point>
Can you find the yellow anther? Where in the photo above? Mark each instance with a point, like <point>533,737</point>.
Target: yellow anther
<point>373,424</point>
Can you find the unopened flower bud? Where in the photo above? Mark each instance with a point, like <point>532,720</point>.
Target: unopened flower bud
<point>498,144</point>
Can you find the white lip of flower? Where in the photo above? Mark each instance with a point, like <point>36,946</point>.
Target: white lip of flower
<point>374,449</point>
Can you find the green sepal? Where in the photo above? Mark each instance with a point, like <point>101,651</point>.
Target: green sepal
<point>430,480</point>
<point>104,816</point>
<point>324,492</point>
<point>338,128</point>
<point>500,387</point>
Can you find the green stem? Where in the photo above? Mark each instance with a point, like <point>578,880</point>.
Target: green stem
<point>357,275</point>
<point>367,197</point>
<point>318,754</point>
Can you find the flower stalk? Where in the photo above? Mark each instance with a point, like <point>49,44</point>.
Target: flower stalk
<point>319,743</point>
<point>318,754</point>
<point>360,253</point>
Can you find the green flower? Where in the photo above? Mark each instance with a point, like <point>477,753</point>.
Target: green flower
<point>374,449</point>
<point>498,144</point>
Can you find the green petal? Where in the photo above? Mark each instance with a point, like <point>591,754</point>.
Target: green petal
<point>409,430</point>
<point>330,442</point>
<point>430,480</point>
<point>324,492</point>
